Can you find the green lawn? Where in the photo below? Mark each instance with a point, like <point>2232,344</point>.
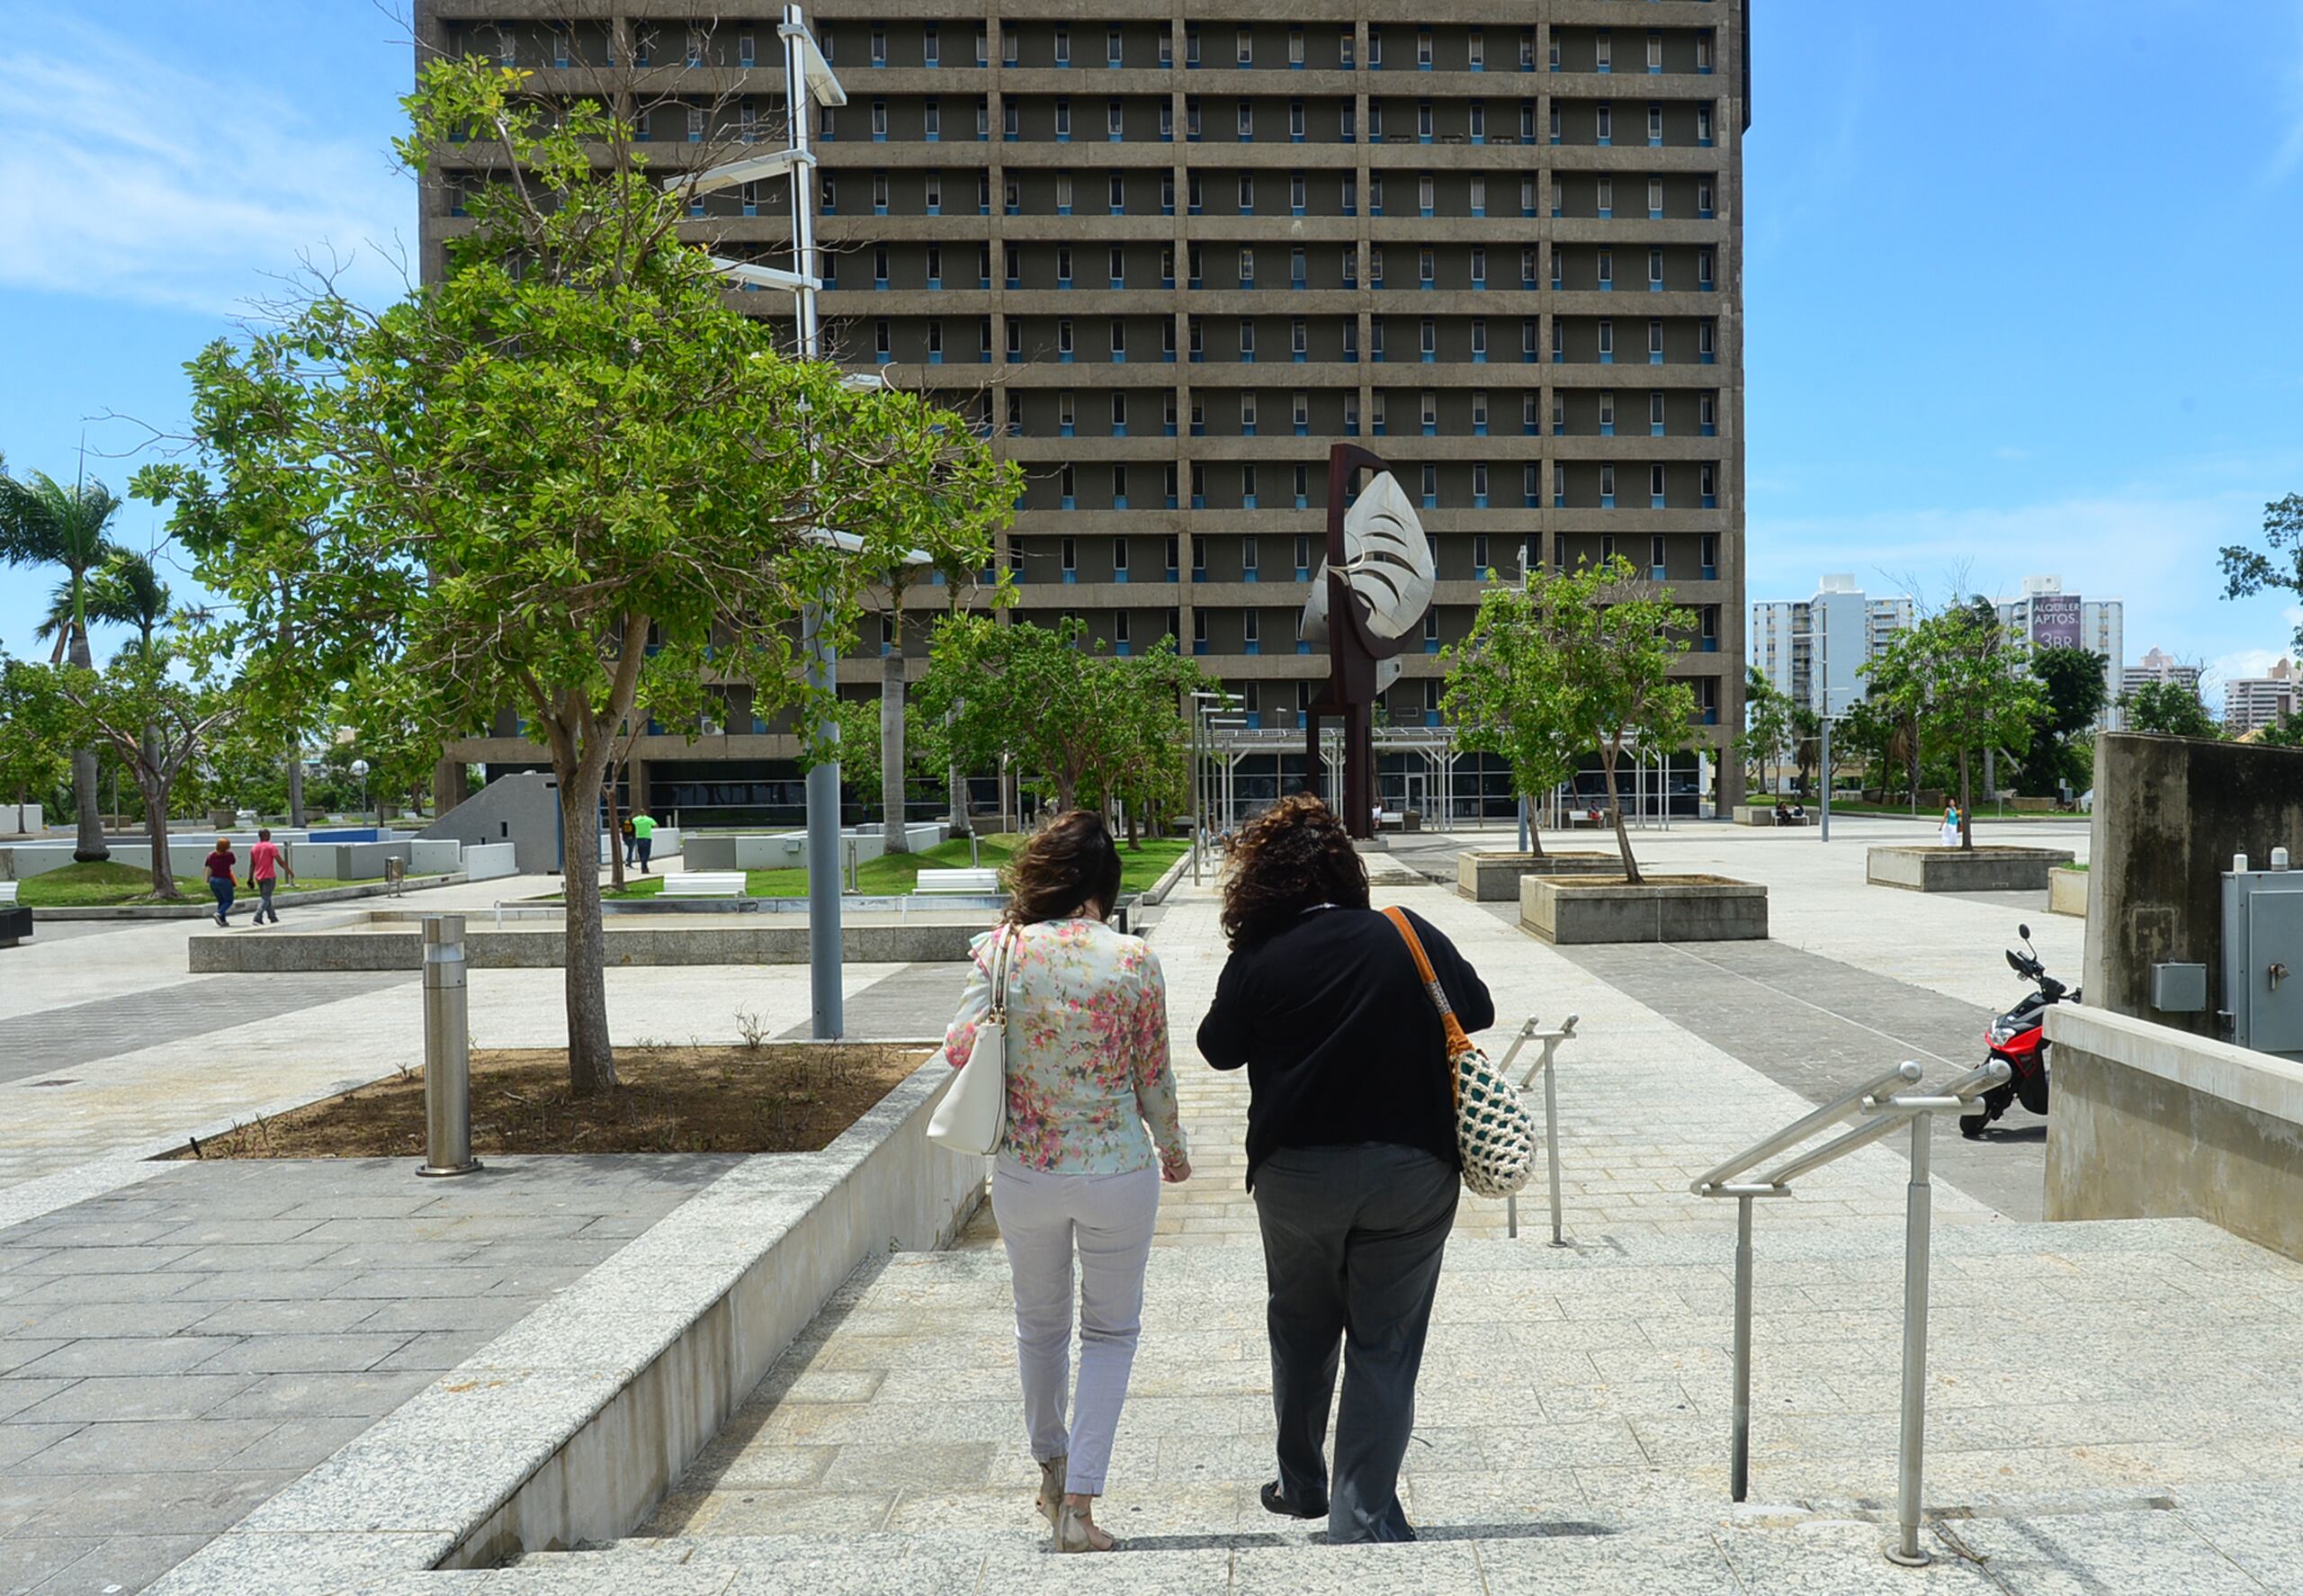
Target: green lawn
<point>1984,811</point>
<point>106,885</point>
<point>1140,868</point>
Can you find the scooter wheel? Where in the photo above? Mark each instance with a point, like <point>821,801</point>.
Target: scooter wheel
<point>1971,1126</point>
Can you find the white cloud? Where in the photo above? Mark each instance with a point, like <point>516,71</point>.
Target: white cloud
<point>123,177</point>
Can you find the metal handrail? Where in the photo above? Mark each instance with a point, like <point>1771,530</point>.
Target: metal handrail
<point>1542,1066</point>
<point>1886,1115</point>
<point>1905,1074</point>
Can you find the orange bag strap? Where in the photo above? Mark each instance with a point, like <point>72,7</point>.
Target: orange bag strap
<point>1458,1043</point>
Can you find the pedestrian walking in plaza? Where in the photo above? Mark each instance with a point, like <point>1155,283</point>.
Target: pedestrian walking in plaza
<point>1951,824</point>
<point>1092,1131</point>
<point>1351,1151</point>
<point>631,842</point>
<point>222,868</point>
<point>643,838</point>
<point>266,860</point>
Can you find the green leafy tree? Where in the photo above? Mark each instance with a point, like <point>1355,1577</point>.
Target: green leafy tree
<point>158,718</point>
<point>1866,733</point>
<point>515,480</point>
<point>1966,684</point>
<point>44,522</point>
<point>2278,566</point>
<point>1807,744</point>
<point>2076,692</point>
<point>1502,696</point>
<point>2172,709</point>
<point>35,756</point>
<point>2285,732</point>
<point>1767,736</point>
<point>1074,718</point>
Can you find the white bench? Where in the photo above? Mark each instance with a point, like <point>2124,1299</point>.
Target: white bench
<point>958,881</point>
<point>705,883</point>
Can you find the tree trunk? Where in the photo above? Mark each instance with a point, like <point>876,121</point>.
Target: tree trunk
<point>892,782</point>
<point>1535,828</point>
<point>1967,814</point>
<point>87,802</point>
<point>295,786</point>
<point>616,829</point>
<point>591,1058</point>
<point>1614,807</point>
<point>156,831</point>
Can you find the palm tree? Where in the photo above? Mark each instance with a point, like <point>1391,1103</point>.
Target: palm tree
<point>44,522</point>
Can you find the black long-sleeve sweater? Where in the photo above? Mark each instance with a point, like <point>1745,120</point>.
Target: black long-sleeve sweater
<point>1341,1041</point>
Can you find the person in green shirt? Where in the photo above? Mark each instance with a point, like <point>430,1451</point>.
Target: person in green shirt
<point>644,833</point>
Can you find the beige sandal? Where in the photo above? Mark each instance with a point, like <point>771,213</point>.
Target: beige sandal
<point>1076,1531</point>
<point>1051,1496</point>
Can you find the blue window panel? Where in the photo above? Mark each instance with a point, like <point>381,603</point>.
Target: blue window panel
<point>1198,502</point>
<point>1710,573</point>
<point>1710,429</point>
<point>1065,358</point>
<point>1064,430</point>
<point>1430,645</point>
<point>1608,430</point>
<point>1654,429</point>
<point>936,282</point>
<point>1658,501</point>
<point>1430,501</point>
<point>1169,428</point>
<point>1255,716</point>
<point>1252,648</point>
<point>1247,429</point>
<point>1606,501</point>
<point>1479,430</point>
<point>1558,500</point>
<point>1430,429</point>
<point>1063,210</point>
<point>935,357</point>
<point>1479,357</point>
<point>1707,360</point>
<point>1119,502</point>
<point>1380,429</point>
<point>1172,505</point>
<point>1120,430</point>
<point>1607,212</point>
<point>1711,501</point>
<point>1654,214</point>
<point>1248,502</point>
<point>1199,429</point>
<point>1479,501</point>
<point>1431,717</point>
<point>1430,356</point>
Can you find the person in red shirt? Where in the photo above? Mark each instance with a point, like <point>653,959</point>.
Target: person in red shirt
<point>266,861</point>
<point>219,867</point>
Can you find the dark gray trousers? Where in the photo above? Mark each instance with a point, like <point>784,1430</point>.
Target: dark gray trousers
<point>1352,1239</point>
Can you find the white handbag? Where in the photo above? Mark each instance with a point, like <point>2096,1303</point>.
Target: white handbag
<point>972,1118</point>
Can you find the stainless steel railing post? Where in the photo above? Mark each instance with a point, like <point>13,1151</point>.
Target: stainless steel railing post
<point>1739,1463</point>
<point>1911,1458</point>
<point>447,1050</point>
<point>1551,1136</point>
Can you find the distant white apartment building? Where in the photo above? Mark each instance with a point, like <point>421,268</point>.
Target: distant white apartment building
<point>2158,666</point>
<point>1839,632</point>
<point>2045,616</point>
<point>2250,702</point>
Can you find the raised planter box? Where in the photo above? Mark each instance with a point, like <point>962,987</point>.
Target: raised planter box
<point>1964,870</point>
<point>1763,814</point>
<point>1494,878</point>
<point>1571,909</point>
<point>2068,892</point>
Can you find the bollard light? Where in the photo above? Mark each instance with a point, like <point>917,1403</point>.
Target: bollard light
<point>447,1050</point>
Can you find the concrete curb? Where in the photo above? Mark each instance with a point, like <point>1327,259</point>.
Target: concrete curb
<point>572,1424</point>
<point>1159,889</point>
<point>196,911</point>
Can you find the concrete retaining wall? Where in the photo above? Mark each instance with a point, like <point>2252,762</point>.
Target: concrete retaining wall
<point>1763,814</point>
<point>1964,870</point>
<point>488,861</point>
<point>570,1426</point>
<point>1664,909</point>
<point>2150,1122</point>
<point>667,843</point>
<point>21,817</point>
<point>531,946</point>
<point>788,850</point>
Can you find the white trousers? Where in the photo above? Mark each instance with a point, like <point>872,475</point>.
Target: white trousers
<point>1107,1220</point>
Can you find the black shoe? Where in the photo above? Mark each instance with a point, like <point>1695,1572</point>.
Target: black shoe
<point>1274,1503</point>
<point>1971,1126</point>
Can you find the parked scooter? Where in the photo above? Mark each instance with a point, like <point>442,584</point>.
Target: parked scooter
<point>2019,1037</point>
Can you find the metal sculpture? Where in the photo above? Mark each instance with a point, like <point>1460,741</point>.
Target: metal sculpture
<point>1368,597</point>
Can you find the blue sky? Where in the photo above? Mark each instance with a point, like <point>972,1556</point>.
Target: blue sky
<point>2022,283</point>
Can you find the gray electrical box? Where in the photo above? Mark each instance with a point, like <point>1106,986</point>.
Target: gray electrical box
<point>2262,959</point>
<point>2179,988</point>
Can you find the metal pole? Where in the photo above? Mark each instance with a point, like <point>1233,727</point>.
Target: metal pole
<point>1739,1462</point>
<point>447,1050</point>
<point>1826,826</point>
<point>1911,1454</point>
<point>1551,1138</point>
<point>1198,797</point>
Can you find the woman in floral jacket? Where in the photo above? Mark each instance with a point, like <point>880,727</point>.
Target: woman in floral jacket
<point>1091,1133</point>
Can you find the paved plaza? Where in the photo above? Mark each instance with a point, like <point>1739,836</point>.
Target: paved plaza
<point>2114,1407</point>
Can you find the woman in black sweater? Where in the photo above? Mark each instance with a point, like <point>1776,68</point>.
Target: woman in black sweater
<point>1351,1151</point>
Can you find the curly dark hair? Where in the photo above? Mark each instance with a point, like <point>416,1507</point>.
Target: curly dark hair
<point>1292,855</point>
<point>1069,862</point>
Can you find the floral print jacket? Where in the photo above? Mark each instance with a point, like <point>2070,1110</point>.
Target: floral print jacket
<point>1088,1067</point>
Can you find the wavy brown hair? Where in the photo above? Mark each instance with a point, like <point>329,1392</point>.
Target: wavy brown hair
<point>1292,855</point>
<point>1069,862</point>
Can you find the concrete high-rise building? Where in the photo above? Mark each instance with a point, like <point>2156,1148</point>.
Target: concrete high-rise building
<point>1168,258</point>
<point>2251,701</point>
<point>1789,639</point>
<point>2158,666</point>
<point>2045,616</point>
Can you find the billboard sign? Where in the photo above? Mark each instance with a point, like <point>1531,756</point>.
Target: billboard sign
<point>2055,621</point>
